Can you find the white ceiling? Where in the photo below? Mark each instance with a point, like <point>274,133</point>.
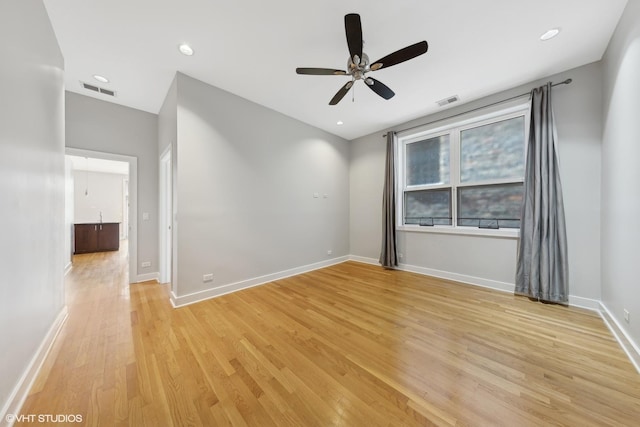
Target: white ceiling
<point>252,47</point>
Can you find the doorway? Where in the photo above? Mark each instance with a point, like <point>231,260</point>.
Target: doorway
<point>129,198</point>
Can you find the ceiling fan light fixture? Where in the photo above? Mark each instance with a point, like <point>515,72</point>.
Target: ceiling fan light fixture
<point>185,49</point>
<point>550,34</point>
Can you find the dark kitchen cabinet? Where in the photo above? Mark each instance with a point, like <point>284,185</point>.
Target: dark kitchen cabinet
<point>98,237</point>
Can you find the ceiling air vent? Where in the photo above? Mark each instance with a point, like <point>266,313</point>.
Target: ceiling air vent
<point>98,89</point>
<point>91,87</point>
<point>448,100</point>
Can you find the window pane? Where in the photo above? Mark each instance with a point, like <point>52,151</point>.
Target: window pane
<point>428,161</point>
<point>428,207</point>
<point>493,151</point>
<point>490,206</point>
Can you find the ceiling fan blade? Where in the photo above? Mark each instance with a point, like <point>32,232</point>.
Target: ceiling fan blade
<point>401,55</point>
<point>353,29</point>
<point>380,88</point>
<point>341,93</point>
<point>321,71</point>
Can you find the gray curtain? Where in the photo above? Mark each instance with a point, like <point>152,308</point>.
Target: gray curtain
<point>542,271</point>
<point>388,255</point>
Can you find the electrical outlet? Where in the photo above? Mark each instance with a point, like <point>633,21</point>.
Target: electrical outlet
<point>207,277</point>
<point>329,252</point>
<point>400,256</point>
<point>626,315</point>
<point>146,264</point>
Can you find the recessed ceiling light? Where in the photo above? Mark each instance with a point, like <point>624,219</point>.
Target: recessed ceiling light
<point>185,49</point>
<point>550,34</point>
<point>100,78</point>
<point>340,123</point>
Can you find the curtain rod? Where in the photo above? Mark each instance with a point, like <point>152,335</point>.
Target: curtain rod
<point>565,82</point>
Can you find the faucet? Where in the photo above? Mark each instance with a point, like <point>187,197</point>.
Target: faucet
<point>100,216</point>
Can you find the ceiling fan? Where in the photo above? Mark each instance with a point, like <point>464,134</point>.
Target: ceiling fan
<point>358,64</point>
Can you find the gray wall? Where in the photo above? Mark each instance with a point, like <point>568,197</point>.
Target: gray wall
<point>168,118</point>
<point>491,260</point>
<point>246,176</point>
<point>96,125</point>
<point>31,186</point>
<point>621,173</point>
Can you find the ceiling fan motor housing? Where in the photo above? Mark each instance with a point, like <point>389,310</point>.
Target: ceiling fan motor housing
<point>357,67</point>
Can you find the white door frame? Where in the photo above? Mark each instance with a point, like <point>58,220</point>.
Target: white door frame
<point>133,200</point>
<point>165,217</point>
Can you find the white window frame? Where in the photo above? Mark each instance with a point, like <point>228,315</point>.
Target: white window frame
<point>454,127</point>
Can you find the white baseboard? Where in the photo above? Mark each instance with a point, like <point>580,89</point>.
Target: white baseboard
<point>621,335</point>
<point>21,390</point>
<point>469,280</point>
<point>587,303</point>
<point>67,268</point>
<point>590,304</point>
<point>462,278</point>
<point>364,260</point>
<point>173,298</point>
<point>147,277</point>
<point>181,301</point>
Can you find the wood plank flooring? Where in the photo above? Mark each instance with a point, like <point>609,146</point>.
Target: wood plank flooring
<point>348,345</point>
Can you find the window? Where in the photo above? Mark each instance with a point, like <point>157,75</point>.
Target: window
<point>467,174</point>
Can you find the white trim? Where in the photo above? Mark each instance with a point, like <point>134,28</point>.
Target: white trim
<point>462,278</point>
<point>147,277</point>
<point>67,268</point>
<point>621,335</point>
<point>22,388</point>
<point>469,280</point>
<point>364,260</point>
<point>586,303</point>
<point>181,301</point>
<point>574,301</point>
<point>505,233</point>
<point>165,210</point>
<point>173,298</point>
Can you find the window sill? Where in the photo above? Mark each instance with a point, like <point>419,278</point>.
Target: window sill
<point>506,233</point>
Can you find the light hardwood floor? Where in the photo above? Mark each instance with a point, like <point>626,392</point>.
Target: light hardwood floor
<point>349,345</point>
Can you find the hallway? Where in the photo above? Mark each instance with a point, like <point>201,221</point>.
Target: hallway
<point>91,369</point>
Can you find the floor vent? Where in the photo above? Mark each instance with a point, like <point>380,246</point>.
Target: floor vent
<point>98,89</point>
<point>448,100</point>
